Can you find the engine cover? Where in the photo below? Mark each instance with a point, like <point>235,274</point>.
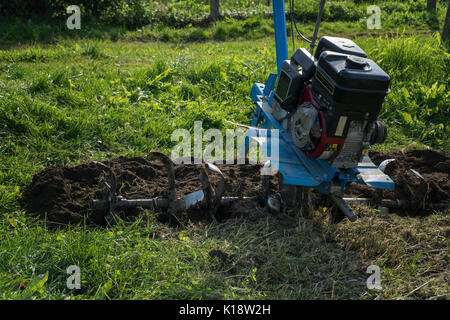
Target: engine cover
<point>350,88</point>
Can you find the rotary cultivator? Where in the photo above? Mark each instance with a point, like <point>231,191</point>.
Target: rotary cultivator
<point>314,119</point>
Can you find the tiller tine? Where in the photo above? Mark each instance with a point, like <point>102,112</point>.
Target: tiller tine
<point>207,197</point>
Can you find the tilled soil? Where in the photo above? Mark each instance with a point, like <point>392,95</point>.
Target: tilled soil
<point>63,195</point>
<point>425,194</point>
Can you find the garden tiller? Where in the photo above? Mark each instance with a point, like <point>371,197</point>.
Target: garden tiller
<point>324,106</point>
<point>319,113</point>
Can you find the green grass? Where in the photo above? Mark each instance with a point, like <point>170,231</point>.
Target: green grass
<point>151,261</point>
<point>80,100</point>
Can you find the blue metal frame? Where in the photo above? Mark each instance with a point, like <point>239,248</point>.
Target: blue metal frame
<point>296,168</point>
<point>293,164</point>
<point>279,19</point>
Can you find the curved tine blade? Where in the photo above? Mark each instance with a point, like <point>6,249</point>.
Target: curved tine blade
<point>206,186</point>
<point>383,164</point>
<point>221,187</point>
<point>213,168</point>
<point>170,170</point>
<point>417,174</point>
<point>112,176</point>
<point>100,164</point>
<point>265,178</point>
<point>187,201</point>
<point>265,186</point>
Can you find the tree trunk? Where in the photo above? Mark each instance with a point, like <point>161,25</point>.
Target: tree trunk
<point>431,5</point>
<point>446,30</point>
<point>214,9</point>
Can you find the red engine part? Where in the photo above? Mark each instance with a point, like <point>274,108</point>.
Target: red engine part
<point>327,148</point>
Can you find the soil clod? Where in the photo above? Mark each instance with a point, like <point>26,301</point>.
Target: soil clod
<point>425,194</point>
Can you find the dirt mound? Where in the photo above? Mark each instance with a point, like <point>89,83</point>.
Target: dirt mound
<point>63,195</point>
<point>427,187</point>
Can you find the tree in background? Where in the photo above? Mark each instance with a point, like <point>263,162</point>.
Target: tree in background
<point>431,5</point>
<point>446,30</point>
<point>214,9</point>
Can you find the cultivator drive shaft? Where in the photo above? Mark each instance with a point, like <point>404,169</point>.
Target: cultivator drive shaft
<point>207,198</point>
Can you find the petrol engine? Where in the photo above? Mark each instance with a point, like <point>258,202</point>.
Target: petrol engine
<point>330,102</point>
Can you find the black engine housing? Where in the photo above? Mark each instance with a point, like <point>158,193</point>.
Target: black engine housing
<point>348,86</point>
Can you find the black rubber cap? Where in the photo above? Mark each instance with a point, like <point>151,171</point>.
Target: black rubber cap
<point>355,62</point>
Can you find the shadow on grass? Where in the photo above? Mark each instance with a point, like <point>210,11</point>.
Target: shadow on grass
<point>15,32</point>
